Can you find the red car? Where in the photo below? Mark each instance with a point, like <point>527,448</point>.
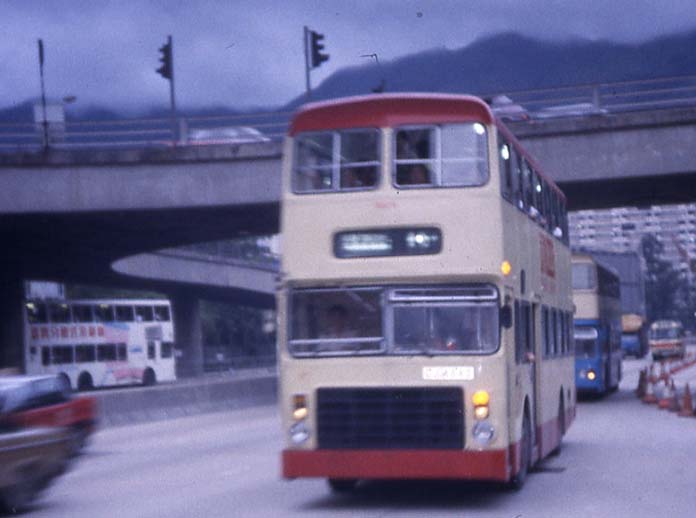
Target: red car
<point>33,401</point>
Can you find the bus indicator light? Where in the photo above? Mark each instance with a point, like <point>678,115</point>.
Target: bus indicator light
<point>506,268</point>
<point>480,398</point>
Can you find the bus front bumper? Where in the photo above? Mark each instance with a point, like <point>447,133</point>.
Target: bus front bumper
<point>400,464</point>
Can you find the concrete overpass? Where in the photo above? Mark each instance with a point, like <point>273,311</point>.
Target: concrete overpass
<point>71,215</point>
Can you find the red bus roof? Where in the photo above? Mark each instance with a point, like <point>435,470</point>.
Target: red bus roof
<point>382,110</point>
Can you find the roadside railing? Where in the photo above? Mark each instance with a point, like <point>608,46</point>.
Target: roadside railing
<point>566,101</point>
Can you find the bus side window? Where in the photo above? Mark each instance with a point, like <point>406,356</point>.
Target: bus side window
<point>545,343</point>
<point>82,313</point>
<point>36,312</point>
<point>527,187</point>
<point>517,180</point>
<point>144,314</point>
<point>59,313</point>
<point>61,354</point>
<point>45,356</point>
<point>530,331</point>
<point>162,313</point>
<point>106,352</point>
<point>151,350</point>
<point>537,210</point>
<point>167,349</point>
<point>124,314</point>
<point>85,353</point>
<point>104,313</point>
<point>121,352</point>
<point>506,187</point>
<point>559,331</point>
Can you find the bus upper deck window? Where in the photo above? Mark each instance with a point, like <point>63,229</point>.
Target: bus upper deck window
<point>36,312</point>
<point>144,314</point>
<point>124,314</point>
<point>162,313</point>
<point>452,155</point>
<point>82,313</point>
<point>464,155</point>
<point>336,160</point>
<point>104,313</point>
<point>59,313</point>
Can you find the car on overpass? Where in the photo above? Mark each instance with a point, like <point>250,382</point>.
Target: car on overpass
<point>225,135</point>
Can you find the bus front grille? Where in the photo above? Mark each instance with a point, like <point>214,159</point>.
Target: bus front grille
<point>390,418</point>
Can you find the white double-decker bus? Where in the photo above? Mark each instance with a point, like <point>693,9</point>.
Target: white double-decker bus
<point>100,343</point>
<point>425,306</point>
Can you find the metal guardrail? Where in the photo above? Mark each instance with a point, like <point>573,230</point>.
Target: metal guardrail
<point>139,133</point>
<point>567,101</point>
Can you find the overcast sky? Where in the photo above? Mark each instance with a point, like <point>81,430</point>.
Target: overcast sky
<point>244,53</point>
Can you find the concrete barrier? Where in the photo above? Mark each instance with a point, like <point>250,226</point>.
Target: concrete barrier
<point>188,397</point>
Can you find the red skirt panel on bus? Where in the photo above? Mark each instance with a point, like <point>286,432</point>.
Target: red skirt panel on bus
<point>398,464</point>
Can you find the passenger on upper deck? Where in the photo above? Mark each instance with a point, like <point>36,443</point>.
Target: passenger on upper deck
<point>356,177</point>
<point>417,174</point>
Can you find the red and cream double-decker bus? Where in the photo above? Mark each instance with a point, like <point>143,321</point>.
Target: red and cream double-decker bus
<point>425,305</point>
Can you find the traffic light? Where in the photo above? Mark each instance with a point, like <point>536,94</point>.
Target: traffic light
<point>317,46</point>
<point>166,59</point>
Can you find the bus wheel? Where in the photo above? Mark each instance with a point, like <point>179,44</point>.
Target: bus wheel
<point>149,377</point>
<point>84,382</point>
<point>561,427</point>
<point>518,480</point>
<point>342,485</point>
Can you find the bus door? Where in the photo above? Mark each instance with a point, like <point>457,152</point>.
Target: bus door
<point>534,357</point>
<point>525,357</point>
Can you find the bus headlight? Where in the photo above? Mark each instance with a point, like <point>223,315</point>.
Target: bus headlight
<point>299,432</point>
<point>483,432</point>
<point>591,375</point>
<point>480,399</point>
<point>481,412</point>
<point>299,407</point>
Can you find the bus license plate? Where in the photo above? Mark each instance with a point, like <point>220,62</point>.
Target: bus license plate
<point>465,373</point>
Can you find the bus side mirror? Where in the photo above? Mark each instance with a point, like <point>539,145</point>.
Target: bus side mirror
<point>506,317</point>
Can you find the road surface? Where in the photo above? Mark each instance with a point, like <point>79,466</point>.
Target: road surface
<point>620,458</point>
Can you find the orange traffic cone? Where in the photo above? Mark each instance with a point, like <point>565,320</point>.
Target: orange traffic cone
<point>666,397</point>
<point>650,398</point>
<point>664,375</point>
<point>687,407</point>
<point>642,382</point>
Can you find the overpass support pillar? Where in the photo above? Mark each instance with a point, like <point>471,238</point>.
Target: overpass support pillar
<point>11,325</point>
<point>188,335</point>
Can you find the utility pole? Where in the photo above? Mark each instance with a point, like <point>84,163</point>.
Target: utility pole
<point>166,70</point>
<point>305,41</point>
<point>43,96</point>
